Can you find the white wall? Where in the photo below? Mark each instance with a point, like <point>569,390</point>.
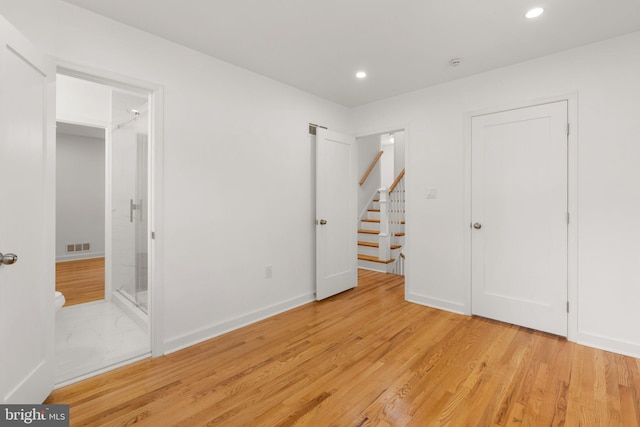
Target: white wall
<point>387,161</point>
<point>80,101</point>
<point>238,169</point>
<point>605,78</point>
<point>80,195</point>
<point>368,149</point>
<point>398,152</point>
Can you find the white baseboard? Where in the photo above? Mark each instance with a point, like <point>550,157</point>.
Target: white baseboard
<point>372,269</point>
<point>101,371</point>
<point>438,303</point>
<point>77,257</point>
<point>179,343</point>
<point>626,348</point>
<point>608,344</point>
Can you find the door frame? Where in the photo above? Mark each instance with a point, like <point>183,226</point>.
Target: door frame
<point>156,182</point>
<point>572,203</point>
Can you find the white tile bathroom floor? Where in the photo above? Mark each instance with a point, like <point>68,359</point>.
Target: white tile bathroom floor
<point>94,336</point>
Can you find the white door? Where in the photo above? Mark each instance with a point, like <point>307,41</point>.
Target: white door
<point>519,217</point>
<point>27,219</point>
<point>336,213</point>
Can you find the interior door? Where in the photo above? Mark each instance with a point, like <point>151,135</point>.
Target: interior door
<point>519,217</point>
<point>336,213</point>
<point>27,154</point>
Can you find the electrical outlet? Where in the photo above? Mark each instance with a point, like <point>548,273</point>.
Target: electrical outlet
<point>268,272</point>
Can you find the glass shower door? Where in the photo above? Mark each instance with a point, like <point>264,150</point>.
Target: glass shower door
<point>129,210</point>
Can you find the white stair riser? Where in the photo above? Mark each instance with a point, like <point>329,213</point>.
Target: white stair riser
<point>375,205</point>
<point>368,237</point>
<point>373,215</point>
<point>367,250</point>
<point>370,225</point>
<point>375,266</point>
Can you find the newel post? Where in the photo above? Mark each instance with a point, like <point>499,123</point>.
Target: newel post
<point>384,238</point>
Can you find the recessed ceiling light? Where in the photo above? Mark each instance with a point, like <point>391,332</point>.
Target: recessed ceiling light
<point>534,13</point>
<point>361,74</point>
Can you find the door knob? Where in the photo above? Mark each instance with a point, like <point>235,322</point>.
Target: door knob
<point>8,259</point>
<point>477,226</point>
<point>323,221</point>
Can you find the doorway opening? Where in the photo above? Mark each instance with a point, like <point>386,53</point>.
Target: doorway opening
<point>381,201</point>
<point>104,216</point>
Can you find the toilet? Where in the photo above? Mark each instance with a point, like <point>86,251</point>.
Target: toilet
<point>59,300</point>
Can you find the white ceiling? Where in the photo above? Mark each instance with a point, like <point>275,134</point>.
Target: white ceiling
<point>404,45</point>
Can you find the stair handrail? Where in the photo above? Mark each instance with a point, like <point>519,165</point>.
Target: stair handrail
<point>396,181</point>
<point>373,165</point>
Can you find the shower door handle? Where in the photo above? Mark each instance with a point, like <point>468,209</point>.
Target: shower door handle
<point>134,207</point>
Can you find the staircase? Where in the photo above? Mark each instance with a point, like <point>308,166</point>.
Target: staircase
<point>370,236</point>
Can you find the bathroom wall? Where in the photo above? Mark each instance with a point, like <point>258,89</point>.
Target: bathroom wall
<point>80,195</point>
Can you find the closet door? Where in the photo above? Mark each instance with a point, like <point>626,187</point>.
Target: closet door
<point>519,217</point>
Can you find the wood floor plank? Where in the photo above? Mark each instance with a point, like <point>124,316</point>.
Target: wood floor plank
<point>366,357</point>
<point>80,281</point>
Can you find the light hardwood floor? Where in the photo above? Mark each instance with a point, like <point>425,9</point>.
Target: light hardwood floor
<point>366,357</point>
<point>81,281</point>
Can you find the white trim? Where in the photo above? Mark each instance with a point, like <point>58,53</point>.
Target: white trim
<point>85,255</point>
<point>108,208</point>
<point>155,93</point>
<point>608,344</point>
<point>101,371</point>
<point>382,131</point>
<point>572,234</point>
<point>82,121</point>
<point>441,304</point>
<point>184,341</point>
<point>572,188</point>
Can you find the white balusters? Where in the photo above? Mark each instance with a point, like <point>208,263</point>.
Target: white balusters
<point>396,221</point>
<point>396,208</point>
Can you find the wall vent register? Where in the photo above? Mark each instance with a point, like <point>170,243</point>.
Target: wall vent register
<point>78,247</point>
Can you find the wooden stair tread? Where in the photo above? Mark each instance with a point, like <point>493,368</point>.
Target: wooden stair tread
<point>373,210</point>
<point>375,259</point>
<point>370,220</point>
<point>376,245</point>
<point>363,231</point>
<point>399,234</point>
